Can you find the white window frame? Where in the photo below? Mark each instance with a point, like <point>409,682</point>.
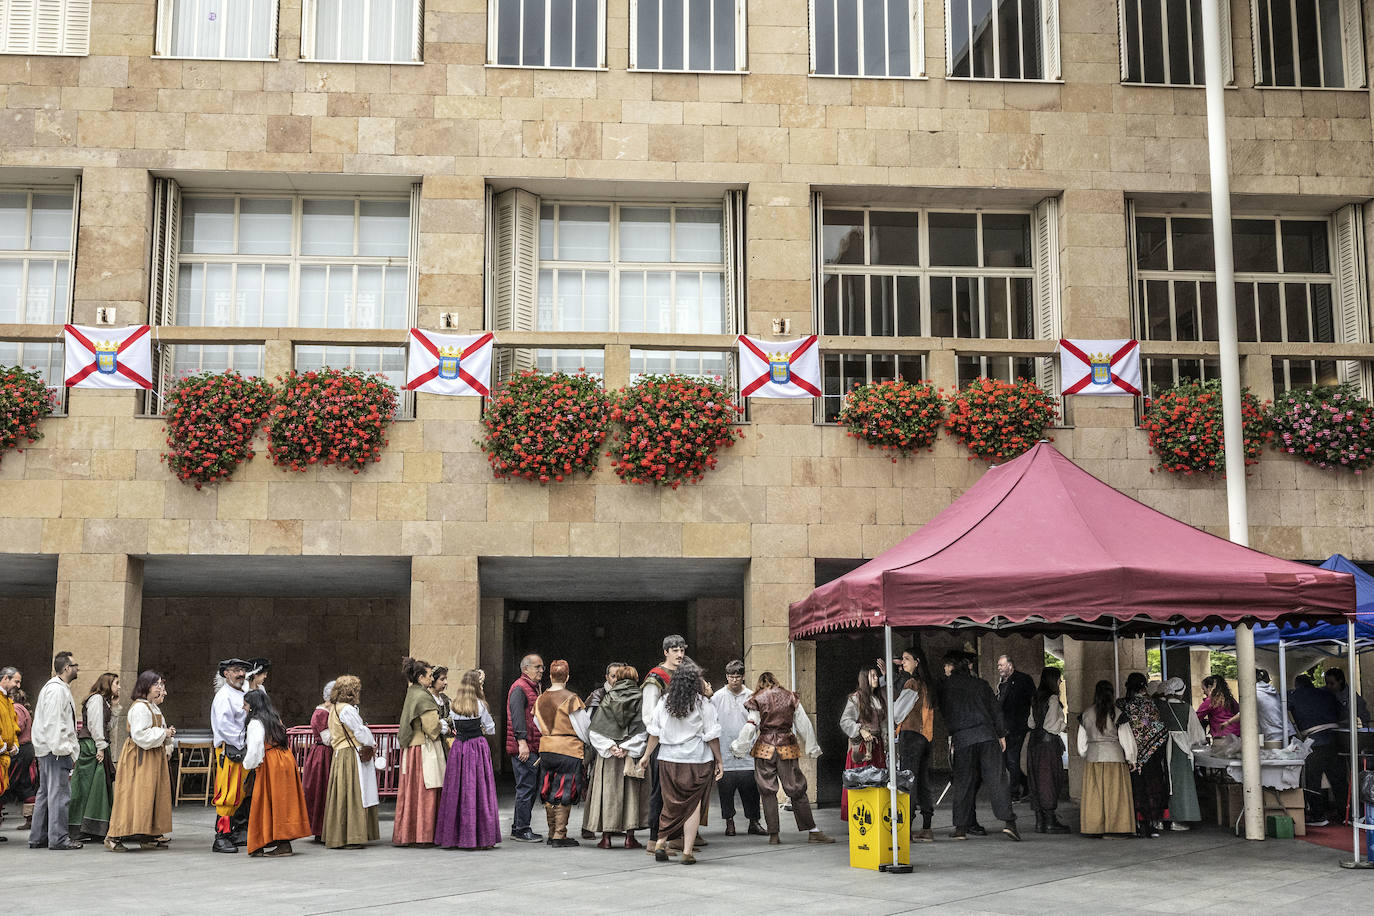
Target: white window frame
<point>1049,41</point>
<point>53,358</point>
<point>1352,47</point>
<point>1194,39</point>
<point>916,39</point>
<point>309,15</point>
<point>59,28</point>
<point>741,40</point>
<point>1345,277</point>
<point>164,38</point>
<point>493,14</point>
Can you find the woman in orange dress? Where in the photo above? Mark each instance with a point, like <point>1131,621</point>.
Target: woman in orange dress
<point>278,814</point>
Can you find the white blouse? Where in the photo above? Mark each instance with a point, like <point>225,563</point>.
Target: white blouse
<point>488,723</point>
<point>1055,723</point>
<point>257,745</point>
<point>95,720</point>
<point>142,731</point>
<point>686,740</point>
<point>362,735</point>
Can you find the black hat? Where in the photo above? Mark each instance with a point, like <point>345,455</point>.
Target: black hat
<point>232,663</point>
<point>258,666</point>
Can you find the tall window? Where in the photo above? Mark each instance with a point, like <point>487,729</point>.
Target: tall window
<point>228,29</point>
<point>1002,39</point>
<point>1294,284</point>
<point>61,27</point>
<point>931,273</point>
<point>692,35</point>
<point>570,34</point>
<point>37,235</point>
<point>867,38</point>
<point>1161,41</point>
<point>1308,43</point>
<point>363,31</point>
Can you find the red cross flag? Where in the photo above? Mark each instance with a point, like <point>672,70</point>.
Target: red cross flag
<point>779,368</point>
<point>454,364</point>
<point>108,357</point>
<point>1109,367</point>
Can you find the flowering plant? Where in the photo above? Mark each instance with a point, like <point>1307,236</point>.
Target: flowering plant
<point>545,427</point>
<point>671,426</point>
<point>330,416</point>
<point>1326,427</point>
<point>1184,424</point>
<point>212,418</point>
<point>894,414</point>
<point>24,400</point>
<point>999,420</point>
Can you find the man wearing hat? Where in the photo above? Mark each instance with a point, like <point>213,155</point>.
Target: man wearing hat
<point>228,725</point>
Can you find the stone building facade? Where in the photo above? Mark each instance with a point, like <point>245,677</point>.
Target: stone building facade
<point>1072,176</point>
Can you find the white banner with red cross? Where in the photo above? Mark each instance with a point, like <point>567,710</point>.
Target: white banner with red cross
<point>1110,367</point>
<point>779,368</point>
<point>108,357</point>
<point>453,364</point>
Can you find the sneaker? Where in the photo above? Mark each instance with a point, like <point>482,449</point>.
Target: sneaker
<point>977,830</point>
<point>925,835</point>
<point>816,836</point>
<point>526,835</point>
<point>958,833</point>
<point>1317,822</point>
<point>1010,831</point>
<point>1179,828</point>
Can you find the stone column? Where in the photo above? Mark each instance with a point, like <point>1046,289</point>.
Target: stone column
<point>444,600</point>
<point>97,614</point>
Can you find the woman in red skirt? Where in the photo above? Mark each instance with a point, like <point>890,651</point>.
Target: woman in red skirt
<point>315,774</point>
<point>862,720</point>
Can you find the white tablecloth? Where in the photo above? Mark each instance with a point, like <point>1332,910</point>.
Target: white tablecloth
<point>1274,774</point>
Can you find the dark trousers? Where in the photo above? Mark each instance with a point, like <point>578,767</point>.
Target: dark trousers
<point>1325,761</point>
<point>913,753</point>
<point>1012,758</point>
<point>50,805</point>
<point>526,788</point>
<point>741,781</point>
<point>655,797</point>
<point>982,760</point>
<point>21,778</point>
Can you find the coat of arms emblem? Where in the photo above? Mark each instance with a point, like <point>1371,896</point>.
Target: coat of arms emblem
<point>107,357</point>
<point>450,359</point>
<point>779,368</point>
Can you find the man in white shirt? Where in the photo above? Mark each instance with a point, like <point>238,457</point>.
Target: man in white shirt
<point>55,747</point>
<point>1268,706</point>
<point>232,786</point>
<point>739,771</point>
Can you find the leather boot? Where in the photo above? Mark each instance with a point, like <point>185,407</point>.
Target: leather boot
<point>729,826</point>
<point>1039,821</point>
<point>1053,825</point>
<point>553,824</point>
<point>225,843</point>
<point>756,830</point>
<point>631,842</point>
<point>562,813</point>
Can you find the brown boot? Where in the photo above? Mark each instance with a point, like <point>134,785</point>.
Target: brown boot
<point>729,826</point>
<point>552,816</point>
<point>562,813</point>
<point>631,842</point>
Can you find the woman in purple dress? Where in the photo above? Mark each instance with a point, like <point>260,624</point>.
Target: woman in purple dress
<point>468,810</point>
<point>315,777</point>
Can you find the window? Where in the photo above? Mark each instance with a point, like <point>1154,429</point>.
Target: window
<point>45,27</point>
<point>1002,39</point>
<point>387,361</point>
<point>1298,280</point>
<point>363,31</point>
<point>933,273</point>
<point>867,38</point>
<point>1308,43</point>
<point>37,237</point>
<point>1161,41</point>
<point>697,35</point>
<point>547,33</point>
<point>644,268</point>
<point>244,260</point>
<point>226,29</point>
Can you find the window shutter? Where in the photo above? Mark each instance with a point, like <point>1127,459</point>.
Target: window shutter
<point>76,26</point>
<point>734,260</point>
<point>417,48</point>
<point>515,284</point>
<point>817,290</point>
<point>1352,37</point>
<point>162,37</point>
<point>741,35</point>
<point>1228,63</point>
<point>48,27</point>
<point>273,32</point>
<point>1045,224</point>
<point>1261,77</point>
<point>1125,42</point>
<point>1352,322</point>
<point>949,42</point>
<point>162,281</point>
<point>1051,24</point>
<point>17,32</point>
<point>634,38</point>
<point>811,23</point>
<point>918,17</point>
<point>308,13</point>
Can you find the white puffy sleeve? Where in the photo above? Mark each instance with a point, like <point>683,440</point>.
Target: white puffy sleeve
<point>849,719</point>
<point>488,724</point>
<point>257,745</point>
<point>649,702</point>
<point>710,721</point>
<point>142,731</point>
<point>95,720</point>
<point>806,735</point>
<point>362,735</point>
<point>905,703</point>
<point>581,723</point>
<point>1054,717</point>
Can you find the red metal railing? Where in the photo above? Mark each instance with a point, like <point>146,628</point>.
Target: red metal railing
<point>388,754</point>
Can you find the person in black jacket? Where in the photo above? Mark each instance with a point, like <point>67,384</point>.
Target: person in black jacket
<point>1015,691</point>
<point>1316,714</point>
<point>974,720</point>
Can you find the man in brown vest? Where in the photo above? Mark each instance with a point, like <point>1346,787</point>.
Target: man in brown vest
<point>777,713</point>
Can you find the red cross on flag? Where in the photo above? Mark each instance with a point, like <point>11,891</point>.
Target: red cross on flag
<point>1110,367</point>
<point>455,364</point>
<point>779,368</point>
<point>108,357</point>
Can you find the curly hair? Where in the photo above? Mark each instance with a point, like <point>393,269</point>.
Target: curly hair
<point>347,689</point>
<point>684,690</point>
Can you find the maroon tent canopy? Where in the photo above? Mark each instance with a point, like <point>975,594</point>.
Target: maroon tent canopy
<point>1039,544</point>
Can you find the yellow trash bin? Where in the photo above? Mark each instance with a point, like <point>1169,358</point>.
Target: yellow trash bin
<point>870,828</point>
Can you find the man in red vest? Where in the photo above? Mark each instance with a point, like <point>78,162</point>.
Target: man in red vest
<point>522,743</point>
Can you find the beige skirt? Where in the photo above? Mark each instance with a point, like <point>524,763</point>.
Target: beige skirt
<point>142,793</point>
<point>346,821</point>
<point>615,802</point>
<point>1107,805</point>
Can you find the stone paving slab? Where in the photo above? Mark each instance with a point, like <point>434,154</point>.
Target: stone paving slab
<point>1205,871</point>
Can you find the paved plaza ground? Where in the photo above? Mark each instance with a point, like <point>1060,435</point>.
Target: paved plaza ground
<point>1203,871</point>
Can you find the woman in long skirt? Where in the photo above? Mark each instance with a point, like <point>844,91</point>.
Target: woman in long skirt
<point>686,732</point>
<point>1045,753</point>
<point>277,815</point>
<point>1149,773</point>
<point>315,774</point>
<point>469,813</point>
<point>616,801</point>
<point>1107,806</point>
<point>422,759</point>
<point>88,815</point>
<point>142,805</point>
<point>1185,733</point>
<point>350,808</point>
<point>862,722</point>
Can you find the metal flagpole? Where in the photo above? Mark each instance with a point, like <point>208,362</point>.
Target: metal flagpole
<point>895,867</point>
<point>1233,441</point>
<point>1355,805</point>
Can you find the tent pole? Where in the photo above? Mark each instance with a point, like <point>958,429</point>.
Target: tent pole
<point>1283,688</point>
<point>1116,661</point>
<point>895,868</point>
<point>1355,861</point>
<point>1163,660</point>
<point>792,665</point>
